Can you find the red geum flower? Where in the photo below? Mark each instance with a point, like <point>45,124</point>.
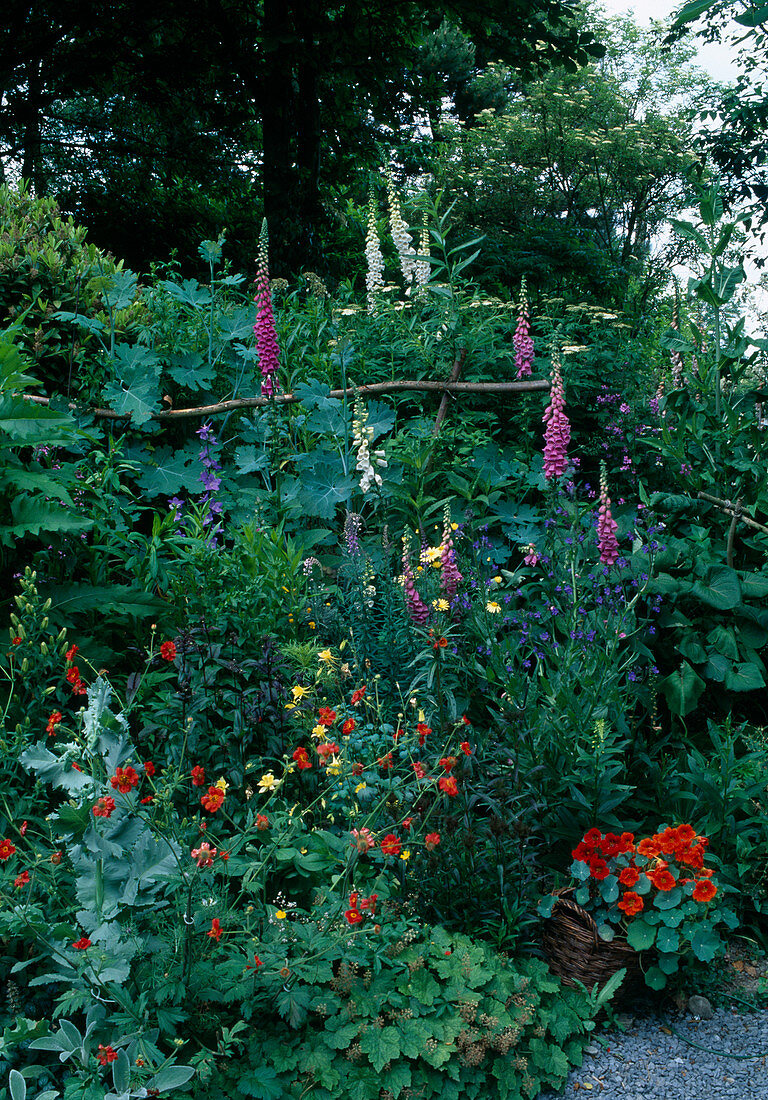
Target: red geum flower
<point>357,696</point>
<point>423,731</point>
<point>448,785</point>
<point>70,654</point>
<point>16,640</point>
<point>357,768</point>
<point>149,768</point>
<point>465,720</point>
<point>406,824</point>
<point>631,903</point>
<point>21,880</point>
<point>704,890</point>
<point>348,726</point>
<point>330,748</point>
<point>465,748</point>
<point>391,845</point>
<point>81,944</point>
<point>125,779</point>
<point>147,800</point>
<point>168,651</point>
<point>104,807</point>
<point>419,769</point>
<point>198,776</point>
<point>262,822</point>
<point>23,829</point>
<point>354,916</point>
<point>368,905</point>
<point>440,643</point>
<point>53,722</point>
<point>215,930</point>
<point>301,756</point>
<point>213,800</point>
<point>56,857</point>
<point>106,1055</point>
<point>256,963</point>
<point>204,855</point>
<point>326,716</point>
<point>431,841</point>
<point>385,762</point>
<point>363,840</point>
<point>448,763</point>
<point>73,675</point>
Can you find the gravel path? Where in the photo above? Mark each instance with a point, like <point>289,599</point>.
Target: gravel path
<point>649,1062</point>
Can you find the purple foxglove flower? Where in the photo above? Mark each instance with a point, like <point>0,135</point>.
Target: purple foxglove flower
<point>522,338</point>
<point>266,336</point>
<point>557,433</point>
<point>606,524</point>
<point>450,577</point>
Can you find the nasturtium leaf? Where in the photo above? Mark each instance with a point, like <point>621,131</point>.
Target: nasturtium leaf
<point>670,964</point>
<point>668,899</point>
<point>606,933</point>
<point>655,978</point>
<point>609,889</point>
<point>667,939</point>
<point>705,944</point>
<point>641,934</point>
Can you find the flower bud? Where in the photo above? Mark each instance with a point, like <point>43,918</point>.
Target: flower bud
<point>61,635</point>
<point>44,649</point>
<point>25,665</point>
<point>47,604</point>
<point>15,620</point>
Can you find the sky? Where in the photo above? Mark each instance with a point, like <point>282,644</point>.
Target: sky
<point>714,58</point>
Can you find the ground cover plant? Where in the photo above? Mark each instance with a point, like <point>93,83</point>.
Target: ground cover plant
<point>320,675</point>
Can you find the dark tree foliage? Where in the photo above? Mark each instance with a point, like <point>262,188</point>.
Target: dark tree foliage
<point>158,123</point>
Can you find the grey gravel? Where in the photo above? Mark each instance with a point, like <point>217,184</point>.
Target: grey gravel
<point>649,1062</point>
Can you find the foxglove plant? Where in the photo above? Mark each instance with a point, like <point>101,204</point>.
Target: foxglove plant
<point>675,356</point>
<point>522,339</point>
<point>374,277</point>
<point>606,524</point>
<point>266,336</point>
<point>400,235</point>
<point>450,577</point>
<point>415,606</point>
<point>422,266</point>
<point>557,433</point>
<point>361,443</point>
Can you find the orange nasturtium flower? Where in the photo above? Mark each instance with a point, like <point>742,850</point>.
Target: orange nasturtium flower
<point>631,903</point>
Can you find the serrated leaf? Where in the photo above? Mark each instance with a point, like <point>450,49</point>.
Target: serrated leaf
<point>31,516</point>
<point>187,369</point>
<point>26,423</point>
<point>382,1045</point>
<point>189,292</point>
<point>167,472</point>
<point>261,1084</point>
<point>323,488</point>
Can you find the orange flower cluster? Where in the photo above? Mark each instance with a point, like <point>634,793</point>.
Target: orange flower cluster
<point>613,854</point>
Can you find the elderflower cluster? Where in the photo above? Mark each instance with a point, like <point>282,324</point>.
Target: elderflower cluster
<point>374,277</point>
<point>400,235</point>
<point>361,442</point>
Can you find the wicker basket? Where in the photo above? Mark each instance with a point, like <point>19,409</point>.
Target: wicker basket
<point>577,953</point>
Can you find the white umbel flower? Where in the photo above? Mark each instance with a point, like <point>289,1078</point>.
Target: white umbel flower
<point>400,235</point>
<point>374,278</point>
<point>361,442</point>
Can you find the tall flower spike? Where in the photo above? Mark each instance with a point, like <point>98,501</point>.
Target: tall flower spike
<point>422,266</point>
<point>606,524</point>
<point>557,434</point>
<point>417,609</point>
<point>361,442</point>
<point>522,338</point>
<point>400,235</point>
<point>374,276</point>
<point>449,570</point>
<point>266,338</point>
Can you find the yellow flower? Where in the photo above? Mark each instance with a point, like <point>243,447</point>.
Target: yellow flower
<point>333,769</point>
<point>311,625</point>
<point>493,607</point>
<point>497,580</point>
<point>360,787</point>
<point>222,784</point>
<point>303,851</point>
<point>325,657</point>
<point>268,783</point>
<point>280,914</point>
<point>298,692</point>
<point>441,605</point>
<point>319,733</point>
<point>406,855</point>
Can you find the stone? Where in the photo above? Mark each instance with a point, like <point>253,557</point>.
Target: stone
<point>701,1007</point>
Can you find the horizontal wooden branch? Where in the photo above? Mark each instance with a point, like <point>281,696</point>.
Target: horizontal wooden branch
<point>734,510</point>
<point>528,385</point>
